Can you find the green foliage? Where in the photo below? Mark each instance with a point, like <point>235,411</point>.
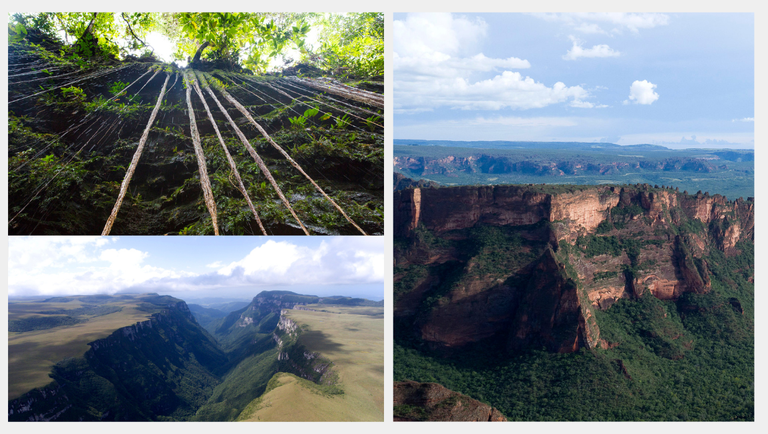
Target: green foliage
<point>342,122</point>
<point>409,412</point>
<point>691,226</point>
<point>676,369</point>
<point>298,121</point>
<point>246,382</point>
<point>605,226</point>
<point>73,93</point>
<point>626,210</point>
<point>41,323</point>
<point>602,275</point>
<point>353,44</point>
<point>117,87</point>
<point>310,113</point>
<point>593,245</point>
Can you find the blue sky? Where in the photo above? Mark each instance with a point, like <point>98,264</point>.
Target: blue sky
<point>678,80</point>
<point>196,267</point>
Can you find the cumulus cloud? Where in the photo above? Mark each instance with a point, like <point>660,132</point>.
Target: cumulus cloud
<point>641,92</point>
<point>588,22</point>
<point>437,63</point>
<point>83,265</point>
<point>590,29</point>
<point>337,261</point>
<point>76,265</point>
<point>577,51</point>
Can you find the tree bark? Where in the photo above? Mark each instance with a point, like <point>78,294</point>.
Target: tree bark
<point>200,52</point>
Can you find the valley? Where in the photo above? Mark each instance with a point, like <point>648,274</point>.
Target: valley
<point>162,365</point>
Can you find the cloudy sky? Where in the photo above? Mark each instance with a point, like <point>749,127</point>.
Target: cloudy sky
<point>679,80</point>
<point>196,267</point>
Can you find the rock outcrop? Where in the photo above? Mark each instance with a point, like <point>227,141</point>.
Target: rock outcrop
<point>433,402</point>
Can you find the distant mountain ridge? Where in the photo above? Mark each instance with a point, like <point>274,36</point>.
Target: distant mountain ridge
<point>725,171</point>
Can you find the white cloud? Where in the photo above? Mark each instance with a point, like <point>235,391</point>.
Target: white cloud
<point>86,265</point>
<point>424,34</point>
<point>687,139</point>
<point>641,92</point>
<point>76,265</point>
<point>273,258</point>
<point>524,122</point>
<point>621,21</point>
<point>340,260</point>
<point>437,63</point>
<point>507,90</point>
<point>590,29</point>
<point>743,120</point>
<point>586,104</point>
<point>596,51</point>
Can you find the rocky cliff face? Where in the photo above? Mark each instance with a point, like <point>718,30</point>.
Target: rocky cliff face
<point>295,358</point>
<point>531,264</point>
<point>432,402</point>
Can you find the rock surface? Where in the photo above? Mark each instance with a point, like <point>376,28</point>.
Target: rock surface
<point>432,402</point>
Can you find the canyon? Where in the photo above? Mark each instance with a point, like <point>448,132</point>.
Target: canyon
<point>168,367</point>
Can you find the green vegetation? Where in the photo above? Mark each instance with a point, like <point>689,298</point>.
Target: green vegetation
<point>41,323</point>
<point>676,367</point>
<point>349,44</point>
<point>92,102</point>
<point>409,412</point>
<point>601,275</point>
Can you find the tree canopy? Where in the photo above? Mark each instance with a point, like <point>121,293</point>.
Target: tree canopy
<point>344,44</point>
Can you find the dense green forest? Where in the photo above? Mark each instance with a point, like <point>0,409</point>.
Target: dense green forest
<point>692,359</point>
<point>261,124</point>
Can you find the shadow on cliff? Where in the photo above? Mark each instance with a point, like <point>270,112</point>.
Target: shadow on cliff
<point>320,341</point>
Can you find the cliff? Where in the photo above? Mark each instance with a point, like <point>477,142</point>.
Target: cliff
<point>158,369</point>
<point>529,265</point>
<point>296,359</point>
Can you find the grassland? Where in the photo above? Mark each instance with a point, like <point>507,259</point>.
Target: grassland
<point>32,354</point>
<point>351,337</point>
